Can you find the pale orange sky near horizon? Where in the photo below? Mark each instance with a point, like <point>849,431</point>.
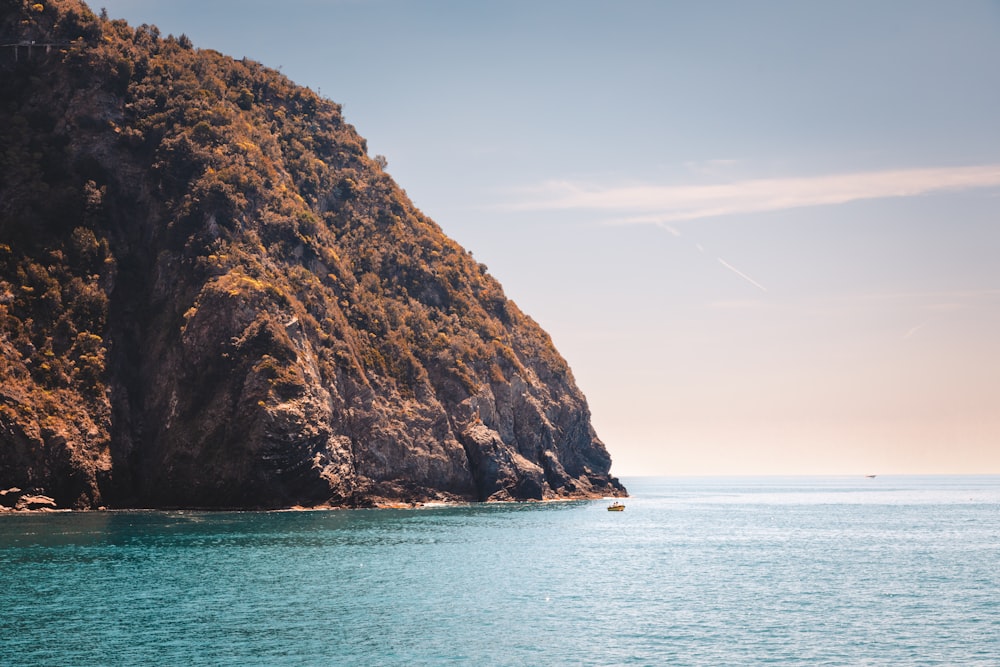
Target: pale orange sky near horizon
<point>764,235</point>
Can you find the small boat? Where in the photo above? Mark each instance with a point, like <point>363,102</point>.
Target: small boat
<point>616,507</point>
<point>870,476</point>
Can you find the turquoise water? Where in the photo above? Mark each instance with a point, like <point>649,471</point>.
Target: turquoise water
<point>780,571</point>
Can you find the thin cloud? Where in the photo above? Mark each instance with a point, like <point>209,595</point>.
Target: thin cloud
<point>710,167</point>
<point>660,204</point>
<point>935,299</point>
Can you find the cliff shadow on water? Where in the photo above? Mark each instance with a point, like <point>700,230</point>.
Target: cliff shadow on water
<point>210,296</point>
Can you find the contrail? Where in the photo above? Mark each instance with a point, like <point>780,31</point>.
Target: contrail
<point>916,329</point>
<point>673,231</point>
<point>741,274</point>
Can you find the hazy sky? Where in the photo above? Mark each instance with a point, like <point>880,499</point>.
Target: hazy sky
<point>765,235</point>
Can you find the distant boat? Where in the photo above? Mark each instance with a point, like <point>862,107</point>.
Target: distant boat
<point>616,507</point>
<point>870,476</point>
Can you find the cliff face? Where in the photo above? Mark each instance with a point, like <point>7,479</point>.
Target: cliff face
<point>210,296</point>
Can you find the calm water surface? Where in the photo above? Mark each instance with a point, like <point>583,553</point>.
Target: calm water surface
<point>776,571</point>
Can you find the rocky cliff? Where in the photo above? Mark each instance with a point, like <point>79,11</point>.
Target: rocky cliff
<point>210,296</point>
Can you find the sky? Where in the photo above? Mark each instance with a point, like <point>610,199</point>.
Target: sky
<point>765,235</point>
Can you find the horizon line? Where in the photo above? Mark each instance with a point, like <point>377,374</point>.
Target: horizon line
<point>806,474</point>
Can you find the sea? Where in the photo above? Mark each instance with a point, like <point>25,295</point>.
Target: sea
<point>895,570</point>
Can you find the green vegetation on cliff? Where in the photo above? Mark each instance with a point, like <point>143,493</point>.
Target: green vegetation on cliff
<point>211,296</point>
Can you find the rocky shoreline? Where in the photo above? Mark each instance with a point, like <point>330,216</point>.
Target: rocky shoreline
<point>17,501</point>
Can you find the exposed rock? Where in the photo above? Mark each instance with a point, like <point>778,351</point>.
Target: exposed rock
<point>210,296</point>
<point>14,499</point>
<point>9,497</point>
<point>35,503</point>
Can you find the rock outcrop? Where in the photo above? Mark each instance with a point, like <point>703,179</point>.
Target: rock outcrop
<point>15,500</point>
<point>210,296</point>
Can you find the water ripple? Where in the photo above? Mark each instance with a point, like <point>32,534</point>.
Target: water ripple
<point>694,572</point>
